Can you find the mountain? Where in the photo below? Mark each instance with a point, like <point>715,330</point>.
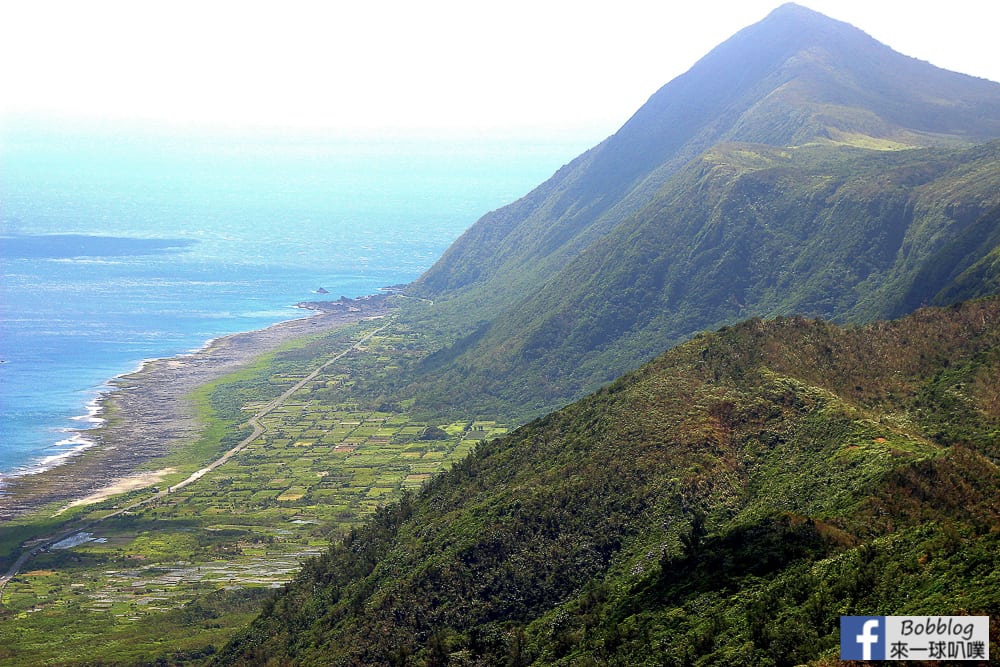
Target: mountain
<point>723,504</point>
<point>727,501</point>
<point>746,231</point>
<point>800,167</point>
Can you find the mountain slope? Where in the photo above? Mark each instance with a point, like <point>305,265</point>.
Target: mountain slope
<point>744,230</point>
<point>760,182</point>
<point>723,504</point>
<point>794,78</point>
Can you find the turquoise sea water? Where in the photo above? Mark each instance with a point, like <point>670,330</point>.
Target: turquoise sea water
<point>118,249</point>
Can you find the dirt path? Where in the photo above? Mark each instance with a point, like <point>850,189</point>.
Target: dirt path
<point>258,428</point>
<point>42,543</point>
<point>149,413</point>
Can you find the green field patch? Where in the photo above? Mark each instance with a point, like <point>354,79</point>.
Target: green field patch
<point>262,496</point>
<point>375,459</point>
<point>340,431</point>
<point>362,478</point>
<point>463,449</point>
<point>388,480</point>
<point>431,466</point>
<point>293,493</point>
<point>439,445</point>
<point>324,493</point>
<point>454,429</point>
<point>415,480</point>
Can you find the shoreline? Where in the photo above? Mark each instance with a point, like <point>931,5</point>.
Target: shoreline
<point>146,413</point>
<point>75,443</point>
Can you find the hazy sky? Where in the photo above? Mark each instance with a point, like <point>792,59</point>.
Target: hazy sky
<point>518,67</point>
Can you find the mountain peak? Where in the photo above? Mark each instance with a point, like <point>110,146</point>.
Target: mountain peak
<point>793,27</point>
<point>794,24</point>
<point>797,10</point>
<point>783,96</point>
<point>796,15</point>
<point>798,76</point>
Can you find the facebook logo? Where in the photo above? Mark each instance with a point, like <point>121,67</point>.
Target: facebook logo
<point>862,637</point>
<point>914,637</point>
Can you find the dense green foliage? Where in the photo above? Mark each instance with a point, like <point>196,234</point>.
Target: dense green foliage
<point>800,167</point>
<point>724,504</point>
<point>728,501</point>
<point>846,234</point>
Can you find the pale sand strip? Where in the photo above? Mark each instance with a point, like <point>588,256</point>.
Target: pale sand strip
<point>150,413</point>
<point>41,543</point>
<point>124,485</point>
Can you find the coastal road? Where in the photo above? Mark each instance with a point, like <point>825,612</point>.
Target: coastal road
<point>258,430</point>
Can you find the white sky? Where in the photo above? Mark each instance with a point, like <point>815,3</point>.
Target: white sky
<point>512,67</point>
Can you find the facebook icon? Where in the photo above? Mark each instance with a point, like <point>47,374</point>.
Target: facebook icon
<point>862,637</point>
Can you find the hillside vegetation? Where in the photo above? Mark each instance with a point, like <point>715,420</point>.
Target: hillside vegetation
<point>724,504</point>
<point>729,500</point>
<point>800,167</point>
<point>744,230</point>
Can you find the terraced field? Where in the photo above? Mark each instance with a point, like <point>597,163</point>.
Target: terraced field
<point>193,564</point>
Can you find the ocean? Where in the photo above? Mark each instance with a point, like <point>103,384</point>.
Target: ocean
<point>119,248</point>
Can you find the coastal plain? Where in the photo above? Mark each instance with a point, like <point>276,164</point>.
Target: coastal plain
<point>117,577</point>
<point>150,412</point>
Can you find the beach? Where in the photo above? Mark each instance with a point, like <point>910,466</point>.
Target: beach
<point>149,412</point>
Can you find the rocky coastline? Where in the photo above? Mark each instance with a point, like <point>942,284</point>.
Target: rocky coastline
<point>149,412</point>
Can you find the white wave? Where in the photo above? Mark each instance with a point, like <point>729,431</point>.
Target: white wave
<point>93,411</point>
<point>72,446</point>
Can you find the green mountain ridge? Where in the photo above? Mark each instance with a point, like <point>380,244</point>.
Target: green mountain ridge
<point>630,248</point>
<point>731,95</point>
<point>727,501</point>
<point>744,230</point>
<point>724,504</point>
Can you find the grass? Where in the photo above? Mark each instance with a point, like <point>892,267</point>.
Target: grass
<point>189,570</point>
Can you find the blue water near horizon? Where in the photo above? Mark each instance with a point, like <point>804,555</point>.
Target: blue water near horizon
<point>115,250</point>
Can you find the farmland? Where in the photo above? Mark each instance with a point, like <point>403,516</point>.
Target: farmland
<point>191,564</point>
